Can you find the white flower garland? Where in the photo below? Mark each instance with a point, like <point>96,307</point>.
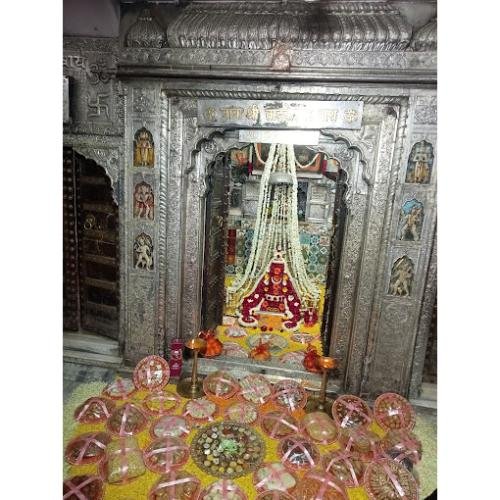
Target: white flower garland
<point>276,228</point>
<point>297,163</point>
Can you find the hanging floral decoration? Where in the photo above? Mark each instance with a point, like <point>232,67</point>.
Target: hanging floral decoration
<point>275,278</point>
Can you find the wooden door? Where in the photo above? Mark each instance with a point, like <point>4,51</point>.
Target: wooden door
<point>215,243</point>
<point>95,217</point>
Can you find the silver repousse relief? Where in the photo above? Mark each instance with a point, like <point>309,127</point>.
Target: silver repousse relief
<point>378,338</point>
<point>248,25</point>
<point>146,32</point>
<point>426,37</point>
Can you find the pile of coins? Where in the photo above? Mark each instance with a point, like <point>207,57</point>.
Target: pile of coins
<point>227,449</point>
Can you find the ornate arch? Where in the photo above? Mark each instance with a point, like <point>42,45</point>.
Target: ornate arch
<point>105,156</point>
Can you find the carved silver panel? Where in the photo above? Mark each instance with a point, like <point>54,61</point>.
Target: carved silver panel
<point>304,64</point>
<point>292,40</point>
<point>97,100</point>
<point>280,114</point>
<point>191,254</point>
<point>388,340</point>
<point>261,25</point>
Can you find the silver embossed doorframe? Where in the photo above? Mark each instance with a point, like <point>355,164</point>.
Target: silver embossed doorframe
<point>185,152</point>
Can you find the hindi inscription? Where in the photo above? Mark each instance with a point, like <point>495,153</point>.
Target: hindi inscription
<point>280,114</point>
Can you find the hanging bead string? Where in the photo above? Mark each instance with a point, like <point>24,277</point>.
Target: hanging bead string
<point>238,289</point>
<point>308,290</point>
<point>276,227</point>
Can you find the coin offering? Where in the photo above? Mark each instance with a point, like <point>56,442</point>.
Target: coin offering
<point>83,487</point>
<point>278,424</point>
<point>121,388</point>
<point>243,412</point>
<point>274,476</point>
<point>176,485</point>
<point>94,410</point>
<point>298,453</point>
<point>289,394</point>
<point>151,373</point>
<point>220,384</point>
<point>319,485</point>
<point>320,427</point>
<point>127,420</point>
<point>223,489</point>
<point>170,426</point>
<point>351,411</point>
<point>165,454</point>
<point>227,449</point>
<point>393,411</point>
<point>87,448</point>
<point>161,402</point>
<point>388,480</point>
<point>255,388</point>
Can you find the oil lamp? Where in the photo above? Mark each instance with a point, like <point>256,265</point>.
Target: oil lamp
<point>191,387</point>
<point>321,402</point>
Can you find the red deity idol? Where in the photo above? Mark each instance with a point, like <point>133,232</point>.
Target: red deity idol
<point>274,293</point>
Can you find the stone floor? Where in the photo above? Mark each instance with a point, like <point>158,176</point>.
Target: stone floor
<point>75,374</point>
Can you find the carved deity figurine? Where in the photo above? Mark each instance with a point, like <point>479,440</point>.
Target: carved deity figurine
<point>412,223</point>
<point>401,277</point>
<point>144,201</point>
<point>143,252</point>
<point>143,148</point>
<point>421,173</point>
<point>420,163</point>
<point>273,294</point>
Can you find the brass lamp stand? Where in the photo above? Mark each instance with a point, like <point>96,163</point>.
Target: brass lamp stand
<point>191,387</point>
<point>321,402</point>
